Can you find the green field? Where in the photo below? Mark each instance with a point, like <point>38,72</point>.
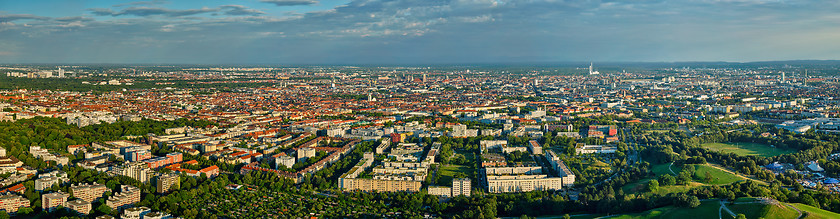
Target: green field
<point>719,177</point>
<point>745,149</point>
<point>711,209</point>
<point>659,169</point>
<point>707,209</point>
<point>814,212</point>
<point>759,210</point>
<point>447,173</point>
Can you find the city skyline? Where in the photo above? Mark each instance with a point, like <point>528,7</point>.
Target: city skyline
<point>411,32</point>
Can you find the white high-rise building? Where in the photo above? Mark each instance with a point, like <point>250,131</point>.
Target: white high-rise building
<point>461,186</point>
<point>591,71</point>
<point>60,72</point>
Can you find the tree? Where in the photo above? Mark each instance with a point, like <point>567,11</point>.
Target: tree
<point>741,216</point>
<point>667,180</point>
<point>566,216</point>
<point>708,178</point>
<point>693,202</point>
<point>24,210</point>
<point>103,208</point>
<point>653,185</point>
<point>3,214</point>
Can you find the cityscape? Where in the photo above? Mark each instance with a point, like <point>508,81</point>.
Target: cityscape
<point>415,109</point>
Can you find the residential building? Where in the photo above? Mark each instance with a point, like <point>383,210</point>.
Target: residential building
<point>522,183</point>
<point>286,161</point>
<point>167,182</point>
<point>135,212</point>
<point>46,182</point>
<point>350,184</point>
<point>136,170</point>
<point>534,147</point>
<point>11,203</point>
<point>461,186</point>
<point>88,192</point>
<point>157,215</point>
<point>128,195</point>
<point>51,201</point>
<point>594,149</point>
<point>79,205</point>
<point>440,191</point>
<point>563,171</point>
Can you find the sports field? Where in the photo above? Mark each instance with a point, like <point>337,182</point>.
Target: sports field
<point>746,148</point>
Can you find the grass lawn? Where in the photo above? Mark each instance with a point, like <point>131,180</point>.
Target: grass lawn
<point>744,149</point>
<point>707,209</point>
<point>719,177</point>
<point>573,216</point>
<point>448,171</point>
<point>660,169</point>
<point>711,208</point>
<point>640,186</point>
<point>758,210</point>
<point>814,212</point>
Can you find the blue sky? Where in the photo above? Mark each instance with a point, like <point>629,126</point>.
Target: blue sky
<point>416,31</point>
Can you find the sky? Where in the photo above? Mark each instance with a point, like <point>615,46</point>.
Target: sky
<point>416,31</point>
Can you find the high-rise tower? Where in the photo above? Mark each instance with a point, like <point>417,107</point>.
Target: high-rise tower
<point>591,71</point>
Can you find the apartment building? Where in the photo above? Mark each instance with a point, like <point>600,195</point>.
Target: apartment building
<point>135,212</point>
<point>128,195</point>
<point>79,205</point>
<point>167,182</point>
<point>51,201</point>
<point>350,184</point>
<point>11,203</point>
<point>136,170</point>
<point>88,192</point>
<point>461,186</point>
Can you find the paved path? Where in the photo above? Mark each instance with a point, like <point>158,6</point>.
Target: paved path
<point>797,210</point>
<point>669,168</point>
<point>723,207</point>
